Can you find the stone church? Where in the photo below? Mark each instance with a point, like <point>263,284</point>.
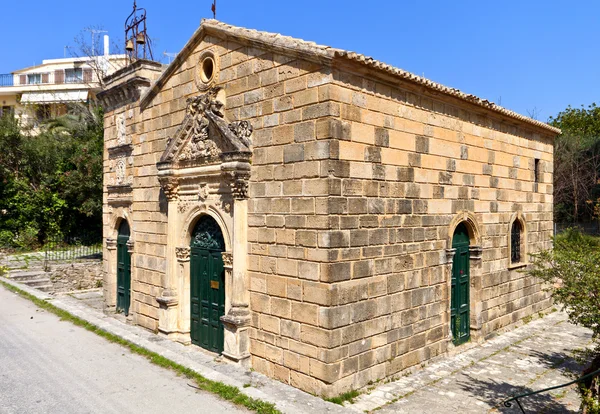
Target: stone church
<point>315,214</point>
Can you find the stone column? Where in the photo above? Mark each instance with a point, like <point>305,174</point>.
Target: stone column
<point>237,320</point>
<point>182,312</point>
<point>449,259</point>
<point>110,276</point>
<point>475,262</point>
<point>168,301</point>
<point>132,310</point>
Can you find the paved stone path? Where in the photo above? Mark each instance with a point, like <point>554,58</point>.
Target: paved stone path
<point>534,356</point>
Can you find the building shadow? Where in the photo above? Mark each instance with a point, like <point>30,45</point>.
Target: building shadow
<point>494,393</point>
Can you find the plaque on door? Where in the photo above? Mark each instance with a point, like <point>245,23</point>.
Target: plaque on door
<point>214,284</point>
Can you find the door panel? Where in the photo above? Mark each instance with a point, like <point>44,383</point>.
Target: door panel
<point>460,285</point>
<point>123,270</point>
<point>207,287</point>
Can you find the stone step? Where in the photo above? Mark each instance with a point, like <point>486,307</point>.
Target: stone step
<point>28,275</point>
<point>47,288</point>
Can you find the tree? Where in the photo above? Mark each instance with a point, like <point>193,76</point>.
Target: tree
<point>576,162</point>
<point>572,270</point>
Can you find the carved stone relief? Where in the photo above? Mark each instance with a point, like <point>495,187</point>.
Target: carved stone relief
<point>121,129</point>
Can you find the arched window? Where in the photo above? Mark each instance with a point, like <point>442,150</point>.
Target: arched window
<point>515,242</point>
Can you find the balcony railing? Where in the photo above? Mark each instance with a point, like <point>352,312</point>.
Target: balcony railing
<point>6,79</point>
<point>58,77</point>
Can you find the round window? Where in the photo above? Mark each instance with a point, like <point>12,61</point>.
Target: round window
<point>207,69</point>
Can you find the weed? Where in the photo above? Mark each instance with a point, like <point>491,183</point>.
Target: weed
<point>99,283</point>
<point>227,392</point>
<point>247,385</point>
<point>342,398</point>
<point>527,319</point>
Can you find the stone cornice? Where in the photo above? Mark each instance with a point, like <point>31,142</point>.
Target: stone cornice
<point>123,93</point>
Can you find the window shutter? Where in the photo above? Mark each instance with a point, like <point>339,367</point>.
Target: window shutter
<point>45,77</point>
<point>87,75</point>
<point>59,76</point>
<point>23,79</point>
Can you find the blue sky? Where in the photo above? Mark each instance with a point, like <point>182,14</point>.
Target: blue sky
<point>528,55</point>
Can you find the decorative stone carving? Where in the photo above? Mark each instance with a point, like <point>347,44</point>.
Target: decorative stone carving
<point>120,171</point>
<point>121,129</point>
<point>239,184</point>
<point>203,192</point>
<point>183,206</point>
<point>227,259</point>
<point>170,186</point>
<point>200,145</point>
<point>182,253</point>
<point>226,206</point>
<point>242,130</point>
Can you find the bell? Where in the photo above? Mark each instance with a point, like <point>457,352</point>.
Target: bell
<point>140,39</point>
<point>129,45</point>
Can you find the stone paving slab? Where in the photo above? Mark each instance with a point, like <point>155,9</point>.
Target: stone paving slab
<point>532,357</point>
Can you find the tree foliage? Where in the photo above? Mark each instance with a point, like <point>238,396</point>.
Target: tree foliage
<point>51,182</point>
<point>577,163</point>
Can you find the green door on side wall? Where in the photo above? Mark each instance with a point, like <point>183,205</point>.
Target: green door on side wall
<point>207,280</point>
<point>123,269</point>
<point>459,295</point>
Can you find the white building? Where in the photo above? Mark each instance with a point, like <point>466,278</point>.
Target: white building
<point>37,93</point>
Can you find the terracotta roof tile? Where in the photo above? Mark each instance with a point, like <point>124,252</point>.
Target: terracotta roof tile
<point>327,52</point>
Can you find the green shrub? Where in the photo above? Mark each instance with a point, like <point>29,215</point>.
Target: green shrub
<point>572,270</point>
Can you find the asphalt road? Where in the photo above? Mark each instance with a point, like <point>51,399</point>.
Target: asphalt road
<point>52,366</point>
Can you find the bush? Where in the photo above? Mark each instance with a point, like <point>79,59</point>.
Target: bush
<point>572,269</point>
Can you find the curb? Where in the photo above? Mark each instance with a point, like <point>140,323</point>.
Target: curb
<point>286,398</point>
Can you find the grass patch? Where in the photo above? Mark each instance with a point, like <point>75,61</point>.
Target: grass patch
<point>342,398</point>
<point>227,392</point>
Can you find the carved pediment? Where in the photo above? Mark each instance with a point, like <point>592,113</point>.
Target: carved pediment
<point>205,135</point>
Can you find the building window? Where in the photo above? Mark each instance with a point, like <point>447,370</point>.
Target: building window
<point>6,111</point>
<point>43,112</point>
<point>536,174</point>
<point>34,78</point>
<point>515,242</point>
<point>74,75</point>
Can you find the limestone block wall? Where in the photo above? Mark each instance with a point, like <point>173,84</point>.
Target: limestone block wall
<point>412,167</point>
<point>135,197</point>
<point>356,185</point>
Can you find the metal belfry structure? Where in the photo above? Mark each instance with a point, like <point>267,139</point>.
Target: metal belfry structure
<point>137,42</point>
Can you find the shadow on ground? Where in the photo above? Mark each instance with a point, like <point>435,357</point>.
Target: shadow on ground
<point>494,393</point>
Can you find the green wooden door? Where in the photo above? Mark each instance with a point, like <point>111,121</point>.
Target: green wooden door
<point>459,307</point>
<point>123,270</point>
<point>207,280</point>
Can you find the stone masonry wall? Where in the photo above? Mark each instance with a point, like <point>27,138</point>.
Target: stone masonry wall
<point>354,186</point>
<point>411,164</point>
<point>76,276</point>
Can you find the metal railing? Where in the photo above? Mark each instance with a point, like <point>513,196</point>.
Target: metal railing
<point>70,248</point>
<point>7,79</point>
<point>508,403</point>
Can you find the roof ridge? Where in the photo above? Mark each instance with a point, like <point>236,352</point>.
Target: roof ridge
<point>376,64</point>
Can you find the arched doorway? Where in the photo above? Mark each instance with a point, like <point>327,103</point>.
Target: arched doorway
<point>207,280</point>
<point>123,269</point>
<point>459,295</point>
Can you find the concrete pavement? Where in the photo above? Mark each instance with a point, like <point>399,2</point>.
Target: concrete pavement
<point>475,379</point>
<point>50,366</point>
